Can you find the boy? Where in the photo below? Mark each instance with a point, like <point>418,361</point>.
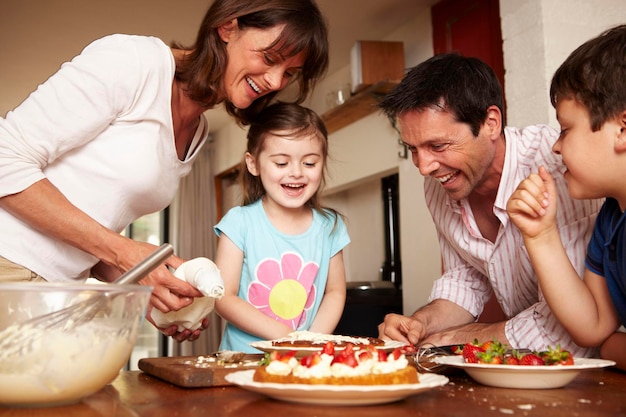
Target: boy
<point>588,92</point>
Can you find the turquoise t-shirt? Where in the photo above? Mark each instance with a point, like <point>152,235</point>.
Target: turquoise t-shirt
<point>284,276</point>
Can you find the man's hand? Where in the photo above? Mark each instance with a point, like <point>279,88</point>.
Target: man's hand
<point>467,333</point>
<point>423,326</point>
<point>402,328</point>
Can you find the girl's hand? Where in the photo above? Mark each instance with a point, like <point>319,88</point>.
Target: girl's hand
<point>532,206</point>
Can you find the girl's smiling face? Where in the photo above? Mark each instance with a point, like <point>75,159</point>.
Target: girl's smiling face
<point>252,70</point>
<point>290,168</point>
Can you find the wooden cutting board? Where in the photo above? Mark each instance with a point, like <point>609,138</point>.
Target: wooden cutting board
<point>195,371</point>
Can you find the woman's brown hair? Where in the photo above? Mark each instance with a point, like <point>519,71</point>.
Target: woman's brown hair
<point>305,30</point>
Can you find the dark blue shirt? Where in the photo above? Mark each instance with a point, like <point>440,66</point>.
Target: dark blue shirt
<point>606,253</point>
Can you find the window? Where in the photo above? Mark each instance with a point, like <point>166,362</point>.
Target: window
<point>153,229</point>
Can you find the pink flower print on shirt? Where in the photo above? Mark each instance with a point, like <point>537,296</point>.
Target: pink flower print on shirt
<point>285,290</point>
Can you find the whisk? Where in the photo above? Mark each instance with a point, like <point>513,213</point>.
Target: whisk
<point>426,355</point>
<point>14,338</point>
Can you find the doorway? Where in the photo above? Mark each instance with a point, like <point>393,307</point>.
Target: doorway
<point>472,28</point>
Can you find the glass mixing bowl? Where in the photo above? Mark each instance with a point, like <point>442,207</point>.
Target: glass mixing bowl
<point>53,362</point>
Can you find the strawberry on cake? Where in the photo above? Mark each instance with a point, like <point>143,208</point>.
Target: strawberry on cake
<point>367,366</point>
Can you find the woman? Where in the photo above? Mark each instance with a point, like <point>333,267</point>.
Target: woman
<point>107,138</point>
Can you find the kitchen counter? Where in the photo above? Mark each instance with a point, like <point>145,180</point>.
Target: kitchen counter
<point>134,393</point>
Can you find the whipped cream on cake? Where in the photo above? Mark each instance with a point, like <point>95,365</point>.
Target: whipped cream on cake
<point>367,366</point>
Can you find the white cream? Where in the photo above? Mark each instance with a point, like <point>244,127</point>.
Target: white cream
<point>319,370</point>
<point>390,365</point>
<point>282,368</point>
<point>63,368</point>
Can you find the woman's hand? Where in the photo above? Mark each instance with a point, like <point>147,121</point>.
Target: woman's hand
<point>169,293</point>
<point>179,336</point>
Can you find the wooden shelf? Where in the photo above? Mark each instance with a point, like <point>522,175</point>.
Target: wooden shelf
<point>356,107</point>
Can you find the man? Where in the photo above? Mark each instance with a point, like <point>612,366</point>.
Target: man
<point>449,111</point>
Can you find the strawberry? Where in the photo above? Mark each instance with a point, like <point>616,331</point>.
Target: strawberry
<point>346,356</point>
<point>382,355</point>
<point>278,356</point>
<point>511,360</point>
<point>469,352</point>
<point>492,357</point>
<point>365,355</point>
<point>288,355</point>
<point>487,345</point>
<point>396,353</point>
<point>409,350</point>
<point>493,352</point>
<point>457,349</point>
<point>349,360</point>
<point>311,360</point>
<point>284,356</point>
<point>531,359</point>
<point>329,348</point>
<point>557,356</point>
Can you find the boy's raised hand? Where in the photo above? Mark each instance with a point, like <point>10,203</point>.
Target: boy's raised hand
<point>532,206</point>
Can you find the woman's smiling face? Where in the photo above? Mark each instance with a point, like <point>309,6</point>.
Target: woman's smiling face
<point>252,70</point>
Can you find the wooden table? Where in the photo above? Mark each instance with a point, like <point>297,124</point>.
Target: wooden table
<point>136,394</point>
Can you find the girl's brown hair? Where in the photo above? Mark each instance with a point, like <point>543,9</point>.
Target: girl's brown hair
<point>305,30</point>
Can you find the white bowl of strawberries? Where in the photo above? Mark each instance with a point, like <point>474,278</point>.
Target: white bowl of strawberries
<point>492,364</point>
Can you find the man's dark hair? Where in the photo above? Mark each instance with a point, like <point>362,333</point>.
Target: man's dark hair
<point>465,87</point>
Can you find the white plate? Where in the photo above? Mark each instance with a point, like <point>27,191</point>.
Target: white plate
<point>266,346</point>
<point>522,376</point>
<point>336,394</point>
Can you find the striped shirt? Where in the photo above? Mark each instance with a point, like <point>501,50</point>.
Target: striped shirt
<point>474,267</point>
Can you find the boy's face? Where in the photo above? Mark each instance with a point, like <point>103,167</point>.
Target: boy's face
<point>589,157</point>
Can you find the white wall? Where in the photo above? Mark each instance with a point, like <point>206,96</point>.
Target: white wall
<point>230,146</point>
<point>36,37</point>
<point>538,35</point>
<point>362,206</point>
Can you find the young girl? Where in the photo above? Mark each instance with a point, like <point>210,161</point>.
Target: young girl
<point>280,254</point>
